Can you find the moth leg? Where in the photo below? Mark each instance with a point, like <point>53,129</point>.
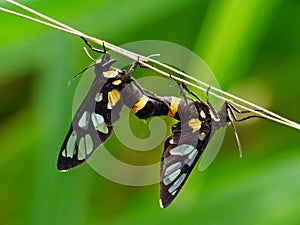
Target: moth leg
<point>191,92</point>
<point>92,47</point>
<point>232,116</point>
<point>232,108</point>
<point>182,88</point>
<point>209,104</point>
<point>133,65</point>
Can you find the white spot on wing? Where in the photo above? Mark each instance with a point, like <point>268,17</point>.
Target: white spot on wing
<point>85,146</point>
<point>168,179</point>
<point>103,128</point>
<point>182,150</point>
<point>177,184</point>
<point>161,204</point>
<point>192,157</point>
<point>172,168</point>
<point>174,192</point>
<point>99,124</point>
<point>70,145</point>
<point>202,136</point>
<point>81,149</point>
<point>88,144</point>
<point>98,97</point>
<point>84,120</point>
<point>97,119</point>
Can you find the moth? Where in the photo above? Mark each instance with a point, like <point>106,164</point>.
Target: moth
<point>198,122</point>
<point>93,122</point>
<point>113,88</point>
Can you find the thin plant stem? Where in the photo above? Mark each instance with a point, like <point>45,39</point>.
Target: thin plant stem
<point>144,61</point>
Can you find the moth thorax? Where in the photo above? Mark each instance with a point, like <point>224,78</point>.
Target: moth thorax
<point>222,116</point>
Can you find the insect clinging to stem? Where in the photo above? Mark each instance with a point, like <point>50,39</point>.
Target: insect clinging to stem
<point>112,88</point>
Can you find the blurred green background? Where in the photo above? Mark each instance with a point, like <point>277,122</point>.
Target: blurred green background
<point>253,47</point>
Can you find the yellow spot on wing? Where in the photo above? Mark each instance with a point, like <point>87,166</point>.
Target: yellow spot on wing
<point>110,73</point>
<point>174,106</point>
<point>140,104</point>
<point>117,82</point>
<point>113,98</point>
<point>195,124</point>
<point>202,114</point>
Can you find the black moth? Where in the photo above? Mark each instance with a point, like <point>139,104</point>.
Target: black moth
<point>111,89</point>
<point>93,122</point>
<point>198,123</point>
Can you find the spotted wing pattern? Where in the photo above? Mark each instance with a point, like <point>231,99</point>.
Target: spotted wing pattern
<point>93,122</point>
<point>181,152</point>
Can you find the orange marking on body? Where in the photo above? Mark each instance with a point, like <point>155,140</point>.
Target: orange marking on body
<point>174,106</point>
<point>140,104</point>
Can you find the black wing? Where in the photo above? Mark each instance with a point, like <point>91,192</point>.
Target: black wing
<point>93,122</point>
<point>181,152</point>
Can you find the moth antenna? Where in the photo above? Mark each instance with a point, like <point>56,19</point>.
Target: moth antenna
<point>88,54</point>
<point>82,71</point>
<point>78,74</point>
